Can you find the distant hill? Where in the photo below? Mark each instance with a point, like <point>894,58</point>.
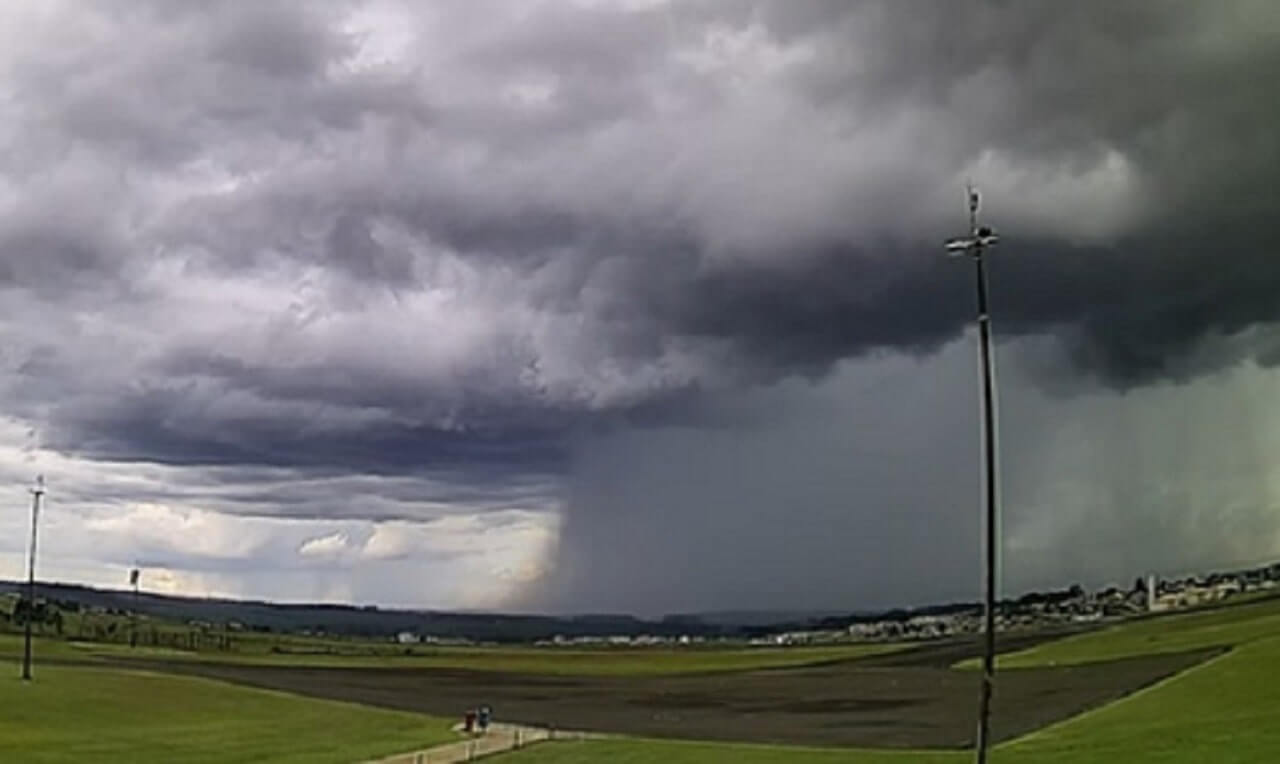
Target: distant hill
<point>368,621</point>
<point>375,622</point>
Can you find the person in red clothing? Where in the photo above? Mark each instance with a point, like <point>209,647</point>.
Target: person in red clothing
<point>469,721</point>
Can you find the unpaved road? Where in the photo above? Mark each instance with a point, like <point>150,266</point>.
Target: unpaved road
<point>910,699</point>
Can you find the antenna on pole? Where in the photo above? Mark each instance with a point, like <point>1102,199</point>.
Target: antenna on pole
<point>974,200</point>
<point>975,245</point>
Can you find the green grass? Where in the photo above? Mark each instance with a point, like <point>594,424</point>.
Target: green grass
<point>82,714</point>
<point>635,751</point>
<point>88,635</point>
<point>652,661</point>
<point>11,647</point>
<point>1222,711</point>
<point>51,648</point>
<point>559,661</point>
<point>1158,635</point>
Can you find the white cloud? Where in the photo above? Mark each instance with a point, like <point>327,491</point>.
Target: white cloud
<point>91,534</point>
<point>390,541</point>
<point>330,546</point>
<point>1077,199</point>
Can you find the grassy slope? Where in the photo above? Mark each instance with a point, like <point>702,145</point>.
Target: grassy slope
<point>1222,711</point>
<point>604,661</point>
<point>76,714</point>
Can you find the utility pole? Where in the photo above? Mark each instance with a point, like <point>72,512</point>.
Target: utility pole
<point>134,574</point>
<point>974,245</point>
<point>37,494</point>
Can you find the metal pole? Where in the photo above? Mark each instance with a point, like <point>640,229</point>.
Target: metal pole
<point>989,456</point>
<point>135,575</point>
<point>36,494</point>
<point>975,244</point>
<point>976,236</point>
<point>133,635</point>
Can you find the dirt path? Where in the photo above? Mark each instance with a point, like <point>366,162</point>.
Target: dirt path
<point>917,702</point>
<point>499,738</point>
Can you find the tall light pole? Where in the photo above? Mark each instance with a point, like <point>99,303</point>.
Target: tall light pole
<point>974,245</point>
<point>134,573</point>
<point>37,494</point>
<point>133,620</point>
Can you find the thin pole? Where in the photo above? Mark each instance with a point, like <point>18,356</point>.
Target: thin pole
<point>989,441</point>
<point>133,636</point>
<point>36,494</point>
<point>989,484</point>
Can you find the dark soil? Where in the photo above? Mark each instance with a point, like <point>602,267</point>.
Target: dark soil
<point>910,699</point>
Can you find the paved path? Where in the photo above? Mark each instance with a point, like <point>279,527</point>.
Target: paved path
<point>499,738</point>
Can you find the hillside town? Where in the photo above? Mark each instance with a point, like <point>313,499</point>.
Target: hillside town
<point>1036,610</point>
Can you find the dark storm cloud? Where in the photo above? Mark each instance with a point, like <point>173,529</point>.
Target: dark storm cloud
<point>832,497</point>
<point>1176,87</point>
<point>452,244</point>
<point>862,491</point>
<point>292,492</point>
<point>156,430</point>
<point>1042,82</point>
<point>806,320</point>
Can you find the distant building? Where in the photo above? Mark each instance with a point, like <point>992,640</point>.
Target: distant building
<point>408,638</point>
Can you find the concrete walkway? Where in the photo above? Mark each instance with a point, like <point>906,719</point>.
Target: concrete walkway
<point>499,738</point>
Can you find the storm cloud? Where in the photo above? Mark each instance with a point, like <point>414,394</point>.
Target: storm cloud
<point>395,262</point>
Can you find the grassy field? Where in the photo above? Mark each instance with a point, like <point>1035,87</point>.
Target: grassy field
<point>84,635</point>
<point>597,662</point>
<point>627,751</point>
<point>64,650</point>
<point>527,660</point>
<point>80,714</point>
<point>1222,711</point>
<point>1165,634</point>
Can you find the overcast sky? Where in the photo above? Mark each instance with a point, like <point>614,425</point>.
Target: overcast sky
<point>634,306</point>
